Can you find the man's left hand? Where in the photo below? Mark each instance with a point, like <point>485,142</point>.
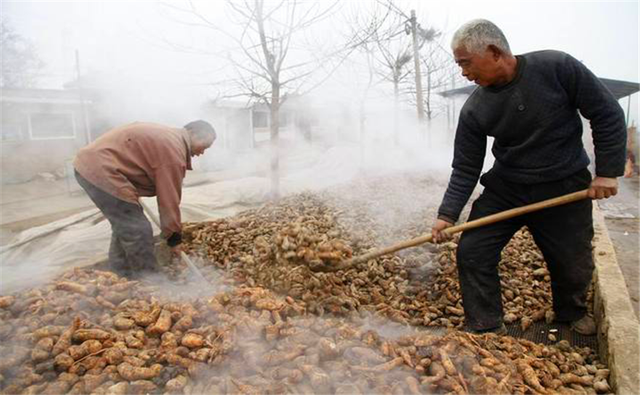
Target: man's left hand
<point>603,188</point>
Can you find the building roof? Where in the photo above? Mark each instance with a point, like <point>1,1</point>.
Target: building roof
<point>23,95</point>
<point>619,89</point>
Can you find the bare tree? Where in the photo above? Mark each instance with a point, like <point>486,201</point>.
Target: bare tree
<point>368,27</point>
<point>437,70</point>
<point>393,61</point>
<point>432,60</point>
<point>20,62</point>
<point>271,60</point>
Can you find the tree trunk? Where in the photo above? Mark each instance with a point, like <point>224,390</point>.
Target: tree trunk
<point>274,141</point>
<point>396,94</point>
<point>416,65</point>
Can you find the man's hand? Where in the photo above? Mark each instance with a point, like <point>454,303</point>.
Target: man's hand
<point>176,250</point>
<point>603,188</point>
<point>437,231</point>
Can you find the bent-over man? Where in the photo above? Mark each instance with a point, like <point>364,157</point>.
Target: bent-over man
<point>134,160</point>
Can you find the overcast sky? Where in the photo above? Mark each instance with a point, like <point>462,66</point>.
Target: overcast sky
<point>125,37</point>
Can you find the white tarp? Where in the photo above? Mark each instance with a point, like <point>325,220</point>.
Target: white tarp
<point>85,236</point>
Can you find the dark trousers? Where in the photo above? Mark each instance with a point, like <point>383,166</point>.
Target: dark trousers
<point>132,246</point>
<point>562,233</point>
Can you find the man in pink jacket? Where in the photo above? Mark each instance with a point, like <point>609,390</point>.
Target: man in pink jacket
<point>134,160</point>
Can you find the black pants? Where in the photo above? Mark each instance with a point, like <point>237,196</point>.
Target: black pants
<point>132,248</point>
<point>562,233</point>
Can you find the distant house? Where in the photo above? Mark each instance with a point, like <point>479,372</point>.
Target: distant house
<point>243,126</point>
<point>41,130</point>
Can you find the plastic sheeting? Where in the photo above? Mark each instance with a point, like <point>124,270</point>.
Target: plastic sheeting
<point>38,254</point>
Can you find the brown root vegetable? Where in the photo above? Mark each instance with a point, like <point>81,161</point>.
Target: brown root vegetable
<point>602,387</point>
<point>121,388</point>
<point>169,341</point>
<point>72,287</point>
<point>42,349</point>
<point>570,378</point>
<point>48,331</point>
<point>142,387</point>
<point>134,342</point>
<point>525,323</point>
<point>177,360</point>
<point>39,355</point>
<point>78,389</point>
<point>192,340</point>
<point>602,374</point>
<point>114,356</point>
<point>328,349</point>
<point>34,389</point>
<point>436,373</point>
<point>64,342</point>
<point>82,335</point>
<point>122,323</point>
<point>93,381</point>
<point>63,362</point>
<point>162,324</point>
<point>413,384</point>
<point>145,319</point>
<point>552,368</point>
<point>529,375</point>
<point>132,373</point>
<point>77,352</point>
<point>7,301</point>
<point>389,365</point>
<point>105,303</point>
<point>448,366</point>
<point>275,357</point>
<point>176,385</point>
<point>183,324</point>
<point>359,354</point>
<point>347,389</point>
<point>57,387</point>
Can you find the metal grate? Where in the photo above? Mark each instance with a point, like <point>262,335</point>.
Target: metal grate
<point>539,332</point>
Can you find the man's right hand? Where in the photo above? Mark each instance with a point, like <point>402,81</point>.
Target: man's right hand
<point>437,231</point>
<point>176,250</point>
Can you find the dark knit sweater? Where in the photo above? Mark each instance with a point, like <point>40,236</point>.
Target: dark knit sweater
<point>537,128</point>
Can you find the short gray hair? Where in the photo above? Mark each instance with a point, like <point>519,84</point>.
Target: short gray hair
<point>201,129</point>
<point>476,35</point>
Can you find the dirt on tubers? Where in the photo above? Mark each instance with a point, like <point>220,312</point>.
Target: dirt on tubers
<point>279,327</point>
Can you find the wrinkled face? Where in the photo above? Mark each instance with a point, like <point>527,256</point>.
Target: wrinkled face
<point>198,146</point>
<point>482,69</point>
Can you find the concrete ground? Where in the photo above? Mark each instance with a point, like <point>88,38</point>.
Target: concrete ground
<point>622,218</point>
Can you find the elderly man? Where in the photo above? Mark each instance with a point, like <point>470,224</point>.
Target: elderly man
<point>531,105</point>
<point>140,159</point>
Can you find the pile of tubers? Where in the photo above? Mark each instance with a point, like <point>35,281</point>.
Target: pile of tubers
<point>250,340</point>
<point>279,327</point>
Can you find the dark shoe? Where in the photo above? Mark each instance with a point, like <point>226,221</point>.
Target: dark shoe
<point>500,331</point>
<point>585,326</point>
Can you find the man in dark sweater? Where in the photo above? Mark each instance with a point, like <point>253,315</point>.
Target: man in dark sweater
<point>531,105</point>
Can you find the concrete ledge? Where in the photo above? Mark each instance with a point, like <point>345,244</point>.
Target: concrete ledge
<point>618,329</point>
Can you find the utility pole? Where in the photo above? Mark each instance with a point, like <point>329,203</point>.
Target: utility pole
<point>416,64</point>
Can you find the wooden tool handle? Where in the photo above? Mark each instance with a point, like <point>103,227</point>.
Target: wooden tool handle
<point>490,219</point>
<point>185,258</point>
